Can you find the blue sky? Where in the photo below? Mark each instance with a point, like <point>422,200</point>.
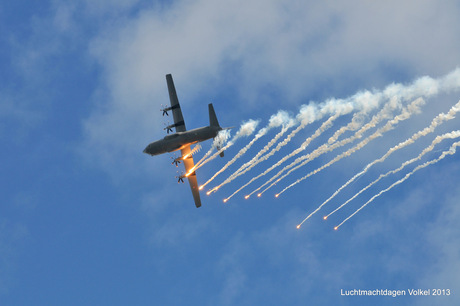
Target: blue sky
<point>87,219</point>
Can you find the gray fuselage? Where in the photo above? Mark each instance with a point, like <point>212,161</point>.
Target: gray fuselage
<point>180,140</point>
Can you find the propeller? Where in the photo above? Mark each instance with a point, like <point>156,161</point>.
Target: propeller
<point>168,128</point>
<point>164,110</point>
<point>180,178</point>
<point>175,161</point>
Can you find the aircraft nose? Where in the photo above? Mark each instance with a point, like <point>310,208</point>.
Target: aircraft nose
<point>154,149</point>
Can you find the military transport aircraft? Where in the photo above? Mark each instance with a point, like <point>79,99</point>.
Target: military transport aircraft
<point>183,139</point>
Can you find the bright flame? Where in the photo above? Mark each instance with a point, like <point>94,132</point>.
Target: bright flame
<point>276,195</point>
<point>259,195</point>
<point>336,228</point>
<point>225,200</point>
<point>246,197</point>
<point>298,226</point>
<point>201,187</point>
<point>325,217</point>
<point>212,190</point>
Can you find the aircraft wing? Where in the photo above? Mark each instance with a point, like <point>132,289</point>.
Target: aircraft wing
<point>179,123</point>
<point>188,162</point>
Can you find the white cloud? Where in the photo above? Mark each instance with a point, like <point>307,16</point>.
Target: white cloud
<point>102,7</point>
<point>293,48</point>
<point>296,49</point>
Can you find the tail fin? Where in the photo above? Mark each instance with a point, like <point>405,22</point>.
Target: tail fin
<point>212,116</point>
<point>213,122</point>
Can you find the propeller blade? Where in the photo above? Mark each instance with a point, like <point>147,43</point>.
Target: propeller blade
<point>168,128</point>
<point>180,178</point>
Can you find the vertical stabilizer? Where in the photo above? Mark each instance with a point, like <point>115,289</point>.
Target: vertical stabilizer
<point>212,116</point>
<point>213,122</point>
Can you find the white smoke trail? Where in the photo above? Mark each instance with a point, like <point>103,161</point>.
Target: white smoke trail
<point>195,150</point>
<point>306,116</point>
<point>451,151</point>
<point>218,142</point>
<point>221,138</point>
<point>367,101</point>
<point>310,113</point>
<point>364,101</point>
<point>355,123</point>
<point>246,129</point>
<point>385,113</point>
<point>258,160</point>
<point>407,112</point>
<point>281,118</point>
<point>242,151</point>
<point>254,159</point>
<point>395,93</point>
<point>376,119</point>
<point>438,120</point>
<point>438,139</point>
<point>327,124</point>
<point>286,123</point>
<point>264,149</point>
